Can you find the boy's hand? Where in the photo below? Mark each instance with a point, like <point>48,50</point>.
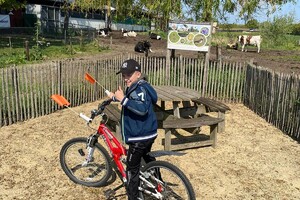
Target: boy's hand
<point>111,95</point>
<point>119,94</point>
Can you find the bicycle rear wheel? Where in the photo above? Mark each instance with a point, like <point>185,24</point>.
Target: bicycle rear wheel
<point>162,180</point>
<point>93,174</point>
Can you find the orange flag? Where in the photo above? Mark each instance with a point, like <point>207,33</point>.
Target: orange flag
<point>89,78</point>
<point>60,100</point>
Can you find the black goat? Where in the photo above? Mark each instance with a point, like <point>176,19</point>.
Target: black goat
<point>143,47</point>
<point>104,31</point>
<point>154,36</point>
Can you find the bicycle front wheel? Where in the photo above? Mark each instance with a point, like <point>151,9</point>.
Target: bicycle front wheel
<point>162,180</point>
<point>73,161</point>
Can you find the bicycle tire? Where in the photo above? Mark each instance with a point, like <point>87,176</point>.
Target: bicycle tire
<point>175,185</point>
<point>94,174</point>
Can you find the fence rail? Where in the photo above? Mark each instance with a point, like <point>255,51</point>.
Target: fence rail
<point>26,90</point>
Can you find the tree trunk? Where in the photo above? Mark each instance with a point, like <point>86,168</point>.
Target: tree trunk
<point>66,22</point>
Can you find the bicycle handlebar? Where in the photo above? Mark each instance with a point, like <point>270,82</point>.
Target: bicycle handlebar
<point>87,119</point>
<point>95,112</point>
<point>101,107</point>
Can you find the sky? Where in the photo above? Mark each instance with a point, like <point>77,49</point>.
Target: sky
<point>286,9</point>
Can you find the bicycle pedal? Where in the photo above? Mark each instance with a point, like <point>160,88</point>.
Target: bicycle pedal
<point>110,194</point>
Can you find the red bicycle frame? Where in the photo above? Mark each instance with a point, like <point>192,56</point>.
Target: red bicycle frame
<point>117,150</point>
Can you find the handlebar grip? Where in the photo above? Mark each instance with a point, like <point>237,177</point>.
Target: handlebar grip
<point>107,92</point>
<point>87,119</point>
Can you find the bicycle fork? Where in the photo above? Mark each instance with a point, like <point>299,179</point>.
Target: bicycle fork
<point>91,141</point>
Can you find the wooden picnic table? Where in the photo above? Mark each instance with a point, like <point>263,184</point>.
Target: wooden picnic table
<point>176,95</point>
<point>190,116</point>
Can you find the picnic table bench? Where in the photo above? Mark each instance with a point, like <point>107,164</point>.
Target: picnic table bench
<point>170,126</point>
<point>206,105</point>
<point>114,115</point>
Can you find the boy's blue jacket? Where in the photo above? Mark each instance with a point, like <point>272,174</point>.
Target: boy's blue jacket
<point>138,119</point>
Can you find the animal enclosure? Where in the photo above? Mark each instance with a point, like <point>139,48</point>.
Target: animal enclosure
<point>25,91</point>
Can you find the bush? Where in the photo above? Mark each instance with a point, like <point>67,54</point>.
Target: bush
<point>277,30</point>
<point>252,24</point>
<point>296,29</point>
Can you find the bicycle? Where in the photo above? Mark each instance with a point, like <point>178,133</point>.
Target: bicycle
<point>85,161</point>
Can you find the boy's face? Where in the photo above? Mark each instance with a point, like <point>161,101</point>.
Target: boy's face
<point>131,78</point>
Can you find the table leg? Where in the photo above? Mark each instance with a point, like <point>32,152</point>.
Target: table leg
<point>176,109</point>
<point>163,105</point>
<point>167,139</point>
<point>186,104</point>
<point>118,133</point>
<point>221,125</point>
<point>213,134</point>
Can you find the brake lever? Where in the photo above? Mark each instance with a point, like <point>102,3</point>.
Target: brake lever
<point>94,113</point>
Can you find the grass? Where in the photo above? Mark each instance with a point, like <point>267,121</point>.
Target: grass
<point>287,42</point>
<point>12,50</point>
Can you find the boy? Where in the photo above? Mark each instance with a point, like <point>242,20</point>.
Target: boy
<point>138,121</point>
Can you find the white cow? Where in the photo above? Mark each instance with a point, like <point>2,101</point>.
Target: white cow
<point>128,34</point>
<point>245,40</point>
<point>132,34</point>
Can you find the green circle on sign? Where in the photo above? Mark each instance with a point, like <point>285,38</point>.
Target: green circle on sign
<point>174,37</point>
<point>199,40</point>
<point>183,33</point>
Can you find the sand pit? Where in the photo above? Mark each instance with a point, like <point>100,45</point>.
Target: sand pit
<point>253,160</point>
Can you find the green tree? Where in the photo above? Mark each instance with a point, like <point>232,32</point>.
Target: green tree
<point>214,9</point>
<point>276,31</point>
<point>252,24</point>
<point>159,9</point>
<point>296,29</point>
<point>162,10</point>
<point>12,4</point>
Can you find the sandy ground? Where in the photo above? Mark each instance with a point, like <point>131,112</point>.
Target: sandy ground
<point>252,160</point>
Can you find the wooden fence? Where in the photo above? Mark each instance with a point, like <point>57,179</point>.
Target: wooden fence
<point>275,97</point>
<point>26,90</point>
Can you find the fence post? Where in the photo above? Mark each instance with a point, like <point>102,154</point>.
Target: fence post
<point>219,52</point>
<point>96,94</point>
<point>182,71</point>
<point>9,41</point>
<point>168,62</point>
<point>206,63</point>
<point>59,71</point>
<point>110,44</point>
<point>27,50</point>
<point>15,87</point>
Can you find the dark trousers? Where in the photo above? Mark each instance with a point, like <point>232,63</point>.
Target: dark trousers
<point>136,152</point>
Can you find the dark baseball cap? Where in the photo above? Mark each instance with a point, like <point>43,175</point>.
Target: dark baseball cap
<point>129,66</point>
